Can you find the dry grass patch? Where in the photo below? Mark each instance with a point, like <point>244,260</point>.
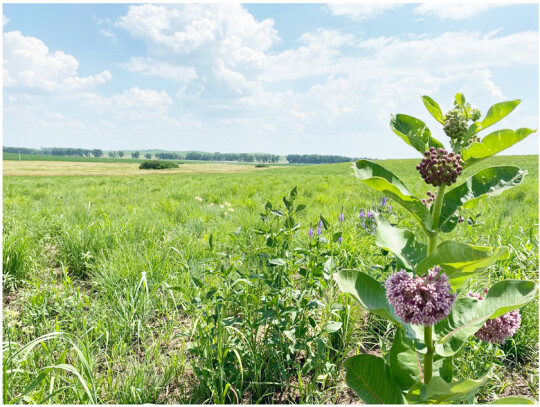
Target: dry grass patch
<point>62,168</point>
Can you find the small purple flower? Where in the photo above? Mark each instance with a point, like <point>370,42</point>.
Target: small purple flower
<point>498,330</point>
<point>340,240</point>
<point>362,214</point>
<point>341,216</point>
<point>389,208</point>
<point>311,233</point>
<point>383,201</point>
<point>319,228</point>
<point>423,300</point>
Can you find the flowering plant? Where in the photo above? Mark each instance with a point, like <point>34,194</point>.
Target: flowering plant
<point>421,299</point>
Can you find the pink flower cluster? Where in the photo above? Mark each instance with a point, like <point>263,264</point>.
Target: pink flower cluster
<point>498,330</point>
<point>422,300</point>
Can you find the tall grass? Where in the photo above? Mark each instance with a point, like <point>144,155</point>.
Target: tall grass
<point>173,300</point>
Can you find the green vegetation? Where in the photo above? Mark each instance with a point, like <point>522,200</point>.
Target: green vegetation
<point>194,288</point>
<point>41,157</point>
<point>157,165</point>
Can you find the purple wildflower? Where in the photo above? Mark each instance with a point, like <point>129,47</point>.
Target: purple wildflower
<point>341,216</point>
<point>310,233</point>
<point>498,330</point>
<point>423,300</point>
<point>340,240</point>
<point>369,214</point>
<point>319,228</point>
<point>383,201</point>
<point>389,208</point>
<point>362,214</point>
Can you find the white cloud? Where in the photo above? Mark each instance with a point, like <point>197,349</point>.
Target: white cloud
<point>455,11</point>
<point>147,66</point>
<point>5,19</point>
<point>133,104</point>
<point>28,63</point>
<point>361,12</point>
<point>224,43</point>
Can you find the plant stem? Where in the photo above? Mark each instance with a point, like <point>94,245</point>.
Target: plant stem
<point>432,244</point>
<point>428,357</point>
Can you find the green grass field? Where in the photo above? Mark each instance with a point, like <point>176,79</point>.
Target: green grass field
<point>173,289</point>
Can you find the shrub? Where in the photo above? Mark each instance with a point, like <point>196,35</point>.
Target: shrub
<point>157,165</point>
<point>261,165</point>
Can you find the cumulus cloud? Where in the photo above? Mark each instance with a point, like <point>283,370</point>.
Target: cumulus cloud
<point>147,66</point>
<point>455,11</point>
<point>223,43</point>
<point>5,19</point>
<point>133,104</point>
<point>361,12</point>
<point>28,63</point>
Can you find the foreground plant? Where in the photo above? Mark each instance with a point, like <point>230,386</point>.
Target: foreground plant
<point>421,299</point>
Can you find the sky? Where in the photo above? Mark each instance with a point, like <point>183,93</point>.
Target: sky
<point>273,78</point>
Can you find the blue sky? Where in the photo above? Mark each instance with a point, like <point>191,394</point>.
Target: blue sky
<point>276,78</point>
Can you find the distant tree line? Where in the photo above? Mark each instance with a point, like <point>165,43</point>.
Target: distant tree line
<point>316,159</point>
<point>242,157</point>
<point>69,152</point>
<point>194,155</point>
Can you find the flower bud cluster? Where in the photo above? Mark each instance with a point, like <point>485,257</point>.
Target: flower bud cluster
<point>440,167</point>
<point>475,114</point>
<point>430,199</point>
<point>423,300</point>
<point>455,125</point>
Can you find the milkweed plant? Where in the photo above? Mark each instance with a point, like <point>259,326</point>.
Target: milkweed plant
<point>433,322</point>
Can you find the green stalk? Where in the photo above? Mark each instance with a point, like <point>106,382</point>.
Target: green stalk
<point>432,244</point>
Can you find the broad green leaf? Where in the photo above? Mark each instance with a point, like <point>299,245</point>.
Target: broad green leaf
<point>443,367</point>
<point>492,144</point>
<point>495,113</point>
<point>460,260</point>
<point>469,314</point>
<point>371,295</point>
<point>400,242</point>
<point>489,182</point>
<point>367,291</point>
<point>405,362</point>
<point>380,179</point>
<point>450,224</point>
<point>433,108</point>
<point>414,132</point>
<point>371,379</point>
<point>513,400</point>
<point>439,391</point>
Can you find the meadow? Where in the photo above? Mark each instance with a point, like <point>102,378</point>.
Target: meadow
<point>204,286</point>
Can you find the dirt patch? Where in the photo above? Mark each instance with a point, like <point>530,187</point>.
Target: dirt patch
<point>63,168</point>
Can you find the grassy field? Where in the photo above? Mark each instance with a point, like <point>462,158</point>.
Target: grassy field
<point>174,289</point>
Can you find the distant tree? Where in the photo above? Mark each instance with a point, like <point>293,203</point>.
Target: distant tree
<point>120,154</point>
<point>148,156</point>
<point>135,154</point>
<point>113,154</point>
<point>97,153</point>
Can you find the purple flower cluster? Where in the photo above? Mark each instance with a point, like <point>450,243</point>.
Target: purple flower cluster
<point>440,167</point>
<point>422,300</point>
<point>498,330</point>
